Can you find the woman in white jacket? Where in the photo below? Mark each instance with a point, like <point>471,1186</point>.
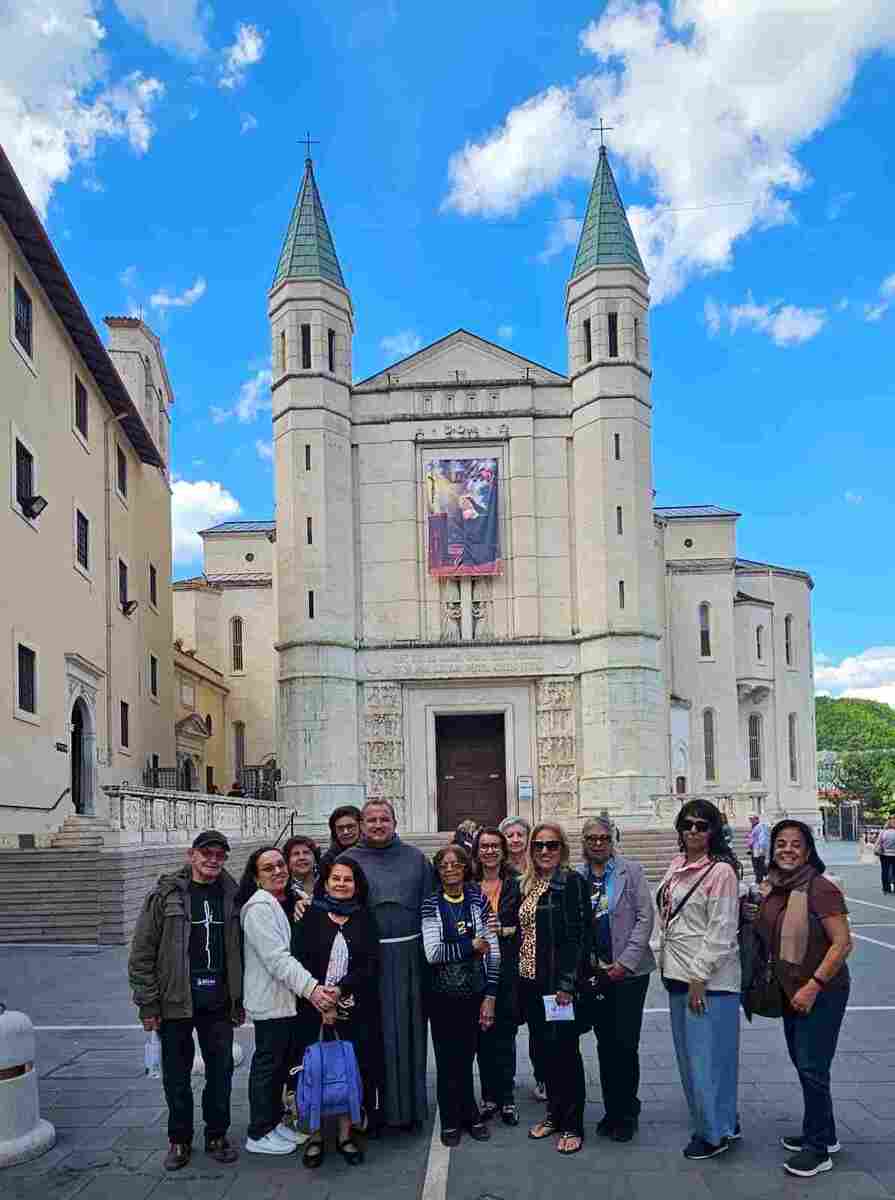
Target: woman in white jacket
<point>272,980</point>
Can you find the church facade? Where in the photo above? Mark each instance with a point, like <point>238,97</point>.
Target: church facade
<point>479,611</point>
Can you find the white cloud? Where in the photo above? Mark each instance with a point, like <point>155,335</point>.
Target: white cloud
<point>710,102</point>
<point>253,398</point>
<point>785,324</point>
<point>57,103</point>
<point>187,299</point>
<point>876,311</point>
<point>246,51</point>
<point>837,204</point>
<point>194,506</point>
<point>264,450</point>
<point>400,345</point>
<point>128,278</point>
<point>565,230</point>
<point>854,498</point>
<point>247,123</point>
<point>175,24</point>
<point>869,675</point>
<point>505,332</point>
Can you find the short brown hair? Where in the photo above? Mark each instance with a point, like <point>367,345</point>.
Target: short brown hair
<point>462,856</point>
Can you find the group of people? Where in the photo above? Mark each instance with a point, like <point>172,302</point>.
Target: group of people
<point>373,942</point>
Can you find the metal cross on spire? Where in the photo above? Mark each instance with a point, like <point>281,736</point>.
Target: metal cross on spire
<point>309,142</point>
<point>601,129</point>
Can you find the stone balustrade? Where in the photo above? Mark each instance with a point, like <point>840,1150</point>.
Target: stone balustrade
<point>139,815</point>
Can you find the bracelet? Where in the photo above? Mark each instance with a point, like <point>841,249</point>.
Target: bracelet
<point>821,983</point>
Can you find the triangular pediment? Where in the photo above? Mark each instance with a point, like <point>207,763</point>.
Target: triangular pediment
<point>461,358</point>
<point>193,724</point>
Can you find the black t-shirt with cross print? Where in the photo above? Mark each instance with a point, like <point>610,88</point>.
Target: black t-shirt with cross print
<point>207,966</point>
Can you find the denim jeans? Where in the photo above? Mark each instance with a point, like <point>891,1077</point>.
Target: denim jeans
<point>811,1040</point>
<point>708,1058</point>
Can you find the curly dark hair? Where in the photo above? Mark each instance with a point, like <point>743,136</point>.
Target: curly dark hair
<point>361,885</point>
<point>505,868</point>
<point>717,849</point>
<point>302,839</point>
<point>462,854</point>
<point>248,883</point>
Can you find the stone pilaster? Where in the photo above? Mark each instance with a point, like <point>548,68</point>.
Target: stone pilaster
<point>557,765</point>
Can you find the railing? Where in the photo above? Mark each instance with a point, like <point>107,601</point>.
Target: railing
<point>169,779</point>
<point>737,805</point>
<point>149,815</point>
<point>255,783</point>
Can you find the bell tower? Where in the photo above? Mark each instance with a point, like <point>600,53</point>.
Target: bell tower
<point>622,687</point>
<point>312,323</point>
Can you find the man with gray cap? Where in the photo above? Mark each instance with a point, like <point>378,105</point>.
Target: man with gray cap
<point>185,970</point>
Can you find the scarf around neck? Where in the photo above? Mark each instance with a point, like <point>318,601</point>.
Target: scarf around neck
<point>795,925</point>
<point>339,908</point>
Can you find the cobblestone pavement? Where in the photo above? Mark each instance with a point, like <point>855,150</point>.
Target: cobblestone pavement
<point>110,1119</point>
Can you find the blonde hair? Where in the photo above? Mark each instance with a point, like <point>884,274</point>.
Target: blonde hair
<point>530,876</point>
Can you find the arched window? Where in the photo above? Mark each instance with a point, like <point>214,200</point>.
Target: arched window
<point>755,747</point>
<point>239,747</point>
<point>759,642</point>
<point>788,645</point>
<point>237,656</point>
<point>708,741</point>
<point>209,724</point>
<point>792,729</point>
<point>705,631</point>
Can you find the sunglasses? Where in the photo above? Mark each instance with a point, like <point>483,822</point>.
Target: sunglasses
<point>695,826</point>
<point>551,846</point>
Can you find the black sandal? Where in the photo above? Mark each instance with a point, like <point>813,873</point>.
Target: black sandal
<point>563,1137</point>
<point>488,1110</point>
<point>352,1153</point>
<point>314,1152</point>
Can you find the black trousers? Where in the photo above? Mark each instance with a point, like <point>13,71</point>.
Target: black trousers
<point>759,866</point>
<point>616,1017</point>
<point>559,1057</point>
<point>455,1029</point>
<point>496,1053</point>
<point>275,1053</point>
<point>887,871</point>
<point>215,1033</point>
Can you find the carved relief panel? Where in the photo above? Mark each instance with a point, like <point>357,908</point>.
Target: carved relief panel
<point>383,743</point>
<point>557,748</point>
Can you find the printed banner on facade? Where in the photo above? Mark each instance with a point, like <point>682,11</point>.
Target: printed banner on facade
<point>461,512</point>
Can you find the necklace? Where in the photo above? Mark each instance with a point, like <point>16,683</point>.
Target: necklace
<point>453,899</point>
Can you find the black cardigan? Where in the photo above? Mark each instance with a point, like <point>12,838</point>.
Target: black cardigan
<point>312,942</point>
<point>562,932</point>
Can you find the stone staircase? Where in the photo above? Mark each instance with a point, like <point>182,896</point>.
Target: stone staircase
<point>80,833</point>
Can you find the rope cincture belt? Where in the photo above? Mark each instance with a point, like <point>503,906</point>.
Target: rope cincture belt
<point>392,941</point>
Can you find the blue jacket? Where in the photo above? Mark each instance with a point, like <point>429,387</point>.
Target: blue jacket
<point>631,916</point>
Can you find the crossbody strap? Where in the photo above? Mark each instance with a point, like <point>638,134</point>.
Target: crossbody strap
<point>677,908</point>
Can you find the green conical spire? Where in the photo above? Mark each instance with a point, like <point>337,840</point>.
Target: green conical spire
<point>606,238</point>
<point>308,251</point>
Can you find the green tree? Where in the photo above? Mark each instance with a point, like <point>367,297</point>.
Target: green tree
<point>869,778</point>
<point>854,724</point>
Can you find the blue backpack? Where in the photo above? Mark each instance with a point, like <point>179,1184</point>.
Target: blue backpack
<point>330,1083</point>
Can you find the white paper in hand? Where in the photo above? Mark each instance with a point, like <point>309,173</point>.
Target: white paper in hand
<point>558,1012</point>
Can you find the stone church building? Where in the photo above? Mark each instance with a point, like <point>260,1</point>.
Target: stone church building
<point>478,611</point>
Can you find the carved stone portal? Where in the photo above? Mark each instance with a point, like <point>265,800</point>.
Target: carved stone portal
<point>383,744</point>
<point>557,757</point>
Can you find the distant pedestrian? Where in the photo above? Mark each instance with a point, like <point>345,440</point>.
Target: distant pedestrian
<point>758,842</point>
<point>496,1050</point>
<point>465,835</point>
<point>554,919</point>
<point>884,848</point>
<point>618,976</point>
<point>726,831</point>
<point>273,982</point>
<point>236,789</point>
<point>344,832</point>
<point>804,924</point>
<point>698,903</point>
<point>461,949</point>
<point>185,970</point>
<point>400,878</point>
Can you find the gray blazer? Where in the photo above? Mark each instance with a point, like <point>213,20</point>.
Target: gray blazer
<point>631,917</point>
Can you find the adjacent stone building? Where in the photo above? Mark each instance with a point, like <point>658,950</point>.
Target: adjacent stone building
<point>478,609</point>
<point>86,672</point>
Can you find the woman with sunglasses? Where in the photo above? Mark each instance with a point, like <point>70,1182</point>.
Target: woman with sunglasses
<point>554,923</point>
<point>622,918</point>
<point>698,902</point>
<point>497,1045</point>
<point>517,831</point>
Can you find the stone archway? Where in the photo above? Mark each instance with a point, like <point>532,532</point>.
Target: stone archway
<point>82,758</point>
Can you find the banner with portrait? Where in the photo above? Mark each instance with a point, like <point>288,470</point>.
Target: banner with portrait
<point>461,516</point>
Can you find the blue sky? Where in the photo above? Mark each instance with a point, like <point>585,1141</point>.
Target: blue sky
<point>751,144</point>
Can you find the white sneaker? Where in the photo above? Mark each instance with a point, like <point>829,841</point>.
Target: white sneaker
<point>295,1137</point>
<point>271,1143</point>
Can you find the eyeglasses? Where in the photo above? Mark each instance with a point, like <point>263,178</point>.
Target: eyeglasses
<point>695,826</point>
<point>348,827</point>
<point>551,846</point>
<point>453,865</point>
<point>214,855</point>
<point>274,870</point>
<point>486,849</point>
<point>597,839</point>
